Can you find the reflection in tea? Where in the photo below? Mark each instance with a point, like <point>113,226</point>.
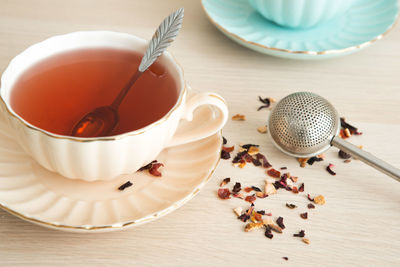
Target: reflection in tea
<point>60,90</point>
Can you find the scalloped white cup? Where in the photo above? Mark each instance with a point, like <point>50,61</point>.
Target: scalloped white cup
<point>104,158</point>
<point>300,13</point>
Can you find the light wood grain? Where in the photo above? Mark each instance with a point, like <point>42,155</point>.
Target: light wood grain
<point>359,225</point>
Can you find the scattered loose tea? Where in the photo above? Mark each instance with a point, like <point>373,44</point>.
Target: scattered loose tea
<point>148,166</point>
<point>244,217</point>
<point>311,160</point>
<point>261,195</point>
<point>329,169</point>
<point>305,240</point>
<point>301,188</point>
<point>258,217</point>
<point>279,222</point>
<point>238,211</point>
<point>343,155</point>
<point>300,234</point>
<point>154,169</point>
<point>275,228</point>
<point>239,117</point>
<point>310,206</point>
<point>347,132</point>
<point>304,215</point>
<point>225,154</point>
<point>274,173</point>
<point>302,161</point>
<point>291,206</point>
<point>285,258</point>
<point>294,189</point>
<point>251,226</point>
<point>352,129</point>
<point>256,189</point>
<point>265,163</point>
<point>124,186</point>
<point>250,199</point>
<point>248,189</point>
<point>228,149</point>
<point>268,233</point>
<point>262,129</point>
<point>347,161</point>
<point>283,168</point>
<point>253,150</point>
<point>309,197</point>
<point>320,200</point>
<point>223,193</point>
<point>224,141</point>
<point>236,188</point>
<point>266,101</point>
<point>225,181</point>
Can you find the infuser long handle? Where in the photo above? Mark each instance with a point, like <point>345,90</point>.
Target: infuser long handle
<point>367,158</point>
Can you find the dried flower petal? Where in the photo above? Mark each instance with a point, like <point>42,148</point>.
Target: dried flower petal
<point>248,189</point>
<point>295,190</point>
<point>300,234</point>
<point>255,188</point>
<point>265,163</point>
<point>301,188</point>
<point>225,181</point>
<point>228,149</point>
<point>291,206</point>
<point>239,117</point>
<point>344,155</point>
<point>311,160</point>
<point>251,226</point>
<point>274,173</point>
<point>250,199</point>
<point>269,189</point>
<point>305,240</point>
<point>236,188</point>
<point>310,206</point>
<point>262,129</point>
<point>320,200</point>
<point>225,155</point>
<point>238,211</point>
<point>125,185</point>
<point>279,222</point>
<point>258,217</point>
<point>253,150</point>
<point>223,193</point>
<point>238,195</point>
<point>154,169</point>
<point>329,169</point>
<point>302,161</point>
<point>304,215</point>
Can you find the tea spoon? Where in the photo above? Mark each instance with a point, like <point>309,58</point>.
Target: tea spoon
<point>102,120</point>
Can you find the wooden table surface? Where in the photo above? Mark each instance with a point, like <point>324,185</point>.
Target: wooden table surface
<point>360,223</point>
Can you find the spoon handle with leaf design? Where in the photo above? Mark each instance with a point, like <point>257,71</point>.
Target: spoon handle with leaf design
<point>162,38</point>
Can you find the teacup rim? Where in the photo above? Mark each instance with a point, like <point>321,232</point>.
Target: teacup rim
<point>167,54</point>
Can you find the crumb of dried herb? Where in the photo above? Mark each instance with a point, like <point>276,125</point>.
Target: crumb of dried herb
<point>124,186</point>
<point>285,258</point>
<point>148,166</point>
<point>329,169</point>
<point>279,222</point>
<point>309,197</point>
<point>256,189</point>
<point>244,217</point>
<point>304,215</point>
<point>343,155</point>
<point>306,240</point>
<point>239,117</point>
<point>274,173</point>
<point>311,160</point>
<point>225,155</point>
<point>228,149</point>
<point>275,228</point>
<point>236,188</point>
<point>300,234</point>
<point>294,179</point>
<point>320,200</point>
<point>291,206</point>
<point>224,193</point>
<point>352,129</point>
<point>268,233</point>
<point>283,168</point>
<point>224,141</point>
<point>301,188</point>
<point>310,206</point>
<point>225,181</point>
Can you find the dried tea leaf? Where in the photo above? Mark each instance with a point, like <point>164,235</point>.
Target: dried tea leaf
<point>248,189</point>
<point>320,200</point>
<point>255,188</point>
<point>223,193</point>
<point>329,169</point>
<point>310,206</point>
<point>225,155</point>
<point>251,226</point>
<point>291,206</point>
<point>225,181</point>
<point>311,160</point>
<point>301,188</point>
<point>300,234</point>
<point>279,222</point>
<point>285,258</point>
<point>344,155</point>
<point>304,215</point>
<point>124,186</point>
<point>238,211</point>
<point>236,188</point>
<point>268,233</point>
<point>224,141</point>
<point>239,117</point>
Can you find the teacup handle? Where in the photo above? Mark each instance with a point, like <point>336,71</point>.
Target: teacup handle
<point>215,124</point>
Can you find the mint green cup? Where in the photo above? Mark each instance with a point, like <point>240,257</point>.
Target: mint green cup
<point>300,13</point>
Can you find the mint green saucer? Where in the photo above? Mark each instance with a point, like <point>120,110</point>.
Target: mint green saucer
<point>364,23</point>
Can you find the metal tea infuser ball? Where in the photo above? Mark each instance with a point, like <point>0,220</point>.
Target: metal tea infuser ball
<point>304,124</point>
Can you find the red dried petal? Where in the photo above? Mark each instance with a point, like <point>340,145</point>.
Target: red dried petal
<point>258,217</point>
<point>225,181</point>
<point>238,195</point>
<point>309,197</point>
<point>228,149</point>
<point>295,190</point>
<point>250,199</point>
<point>304,215</point>
<point>224,193</point>
<point>248,189</point>
<point>301,188</point>
<point>154,169</point>
<point>268,214</point>
<point>274,173</point>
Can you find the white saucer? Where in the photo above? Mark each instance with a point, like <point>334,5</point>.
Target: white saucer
<point>37,195</point>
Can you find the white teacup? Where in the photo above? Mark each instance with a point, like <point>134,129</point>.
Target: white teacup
<point>300,13</point>
<point>103,158</point>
